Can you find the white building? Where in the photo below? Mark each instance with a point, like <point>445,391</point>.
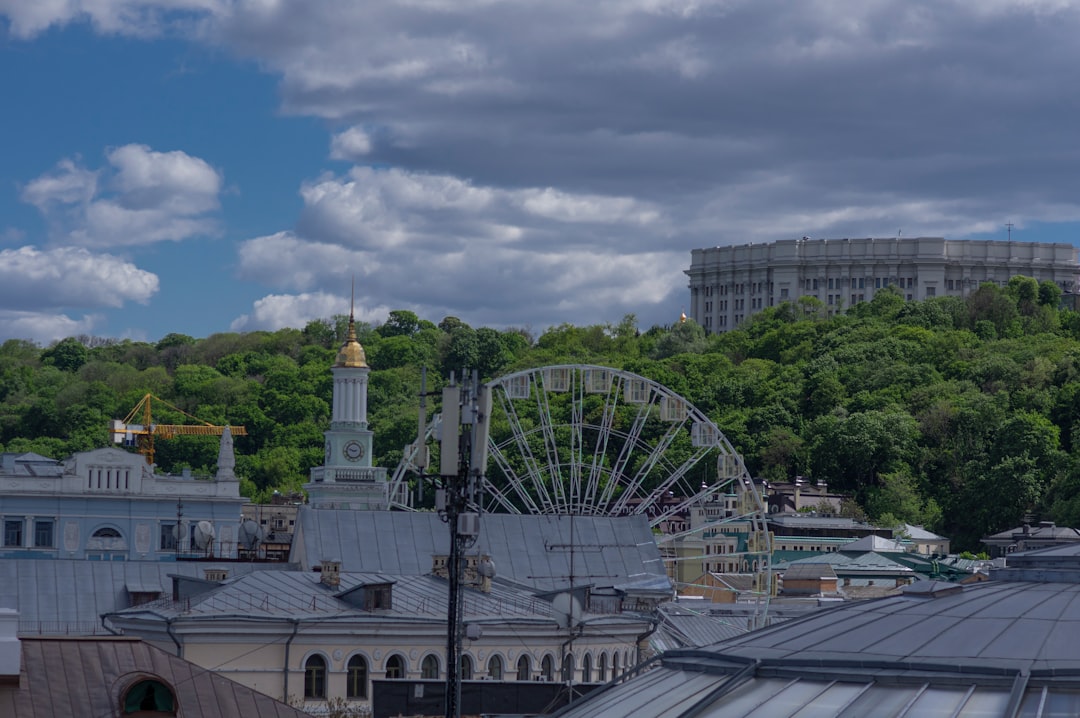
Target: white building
<point>729,284</point>
<point>110,505</point>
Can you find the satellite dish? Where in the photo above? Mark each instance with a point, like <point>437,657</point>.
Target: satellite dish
<point>486,567</point>
<point>566,610</point>
<point>251,534</point>
<point>204,534</point>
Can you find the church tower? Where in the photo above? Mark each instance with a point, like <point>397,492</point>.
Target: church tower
<point>347,480</point>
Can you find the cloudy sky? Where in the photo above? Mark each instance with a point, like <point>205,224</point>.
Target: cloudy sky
<point>201,166</point>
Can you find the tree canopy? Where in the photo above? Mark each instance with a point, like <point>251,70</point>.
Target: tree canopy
<point>961,414</point>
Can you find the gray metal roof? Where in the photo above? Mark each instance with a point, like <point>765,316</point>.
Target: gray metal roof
<point>531,550</point>
<point>991,625</point>
<point>86,677</point>
<point>276,595</point>
<point>918,532</point>
<point>683,627</point>
<point>809,570</point>
<point>998,648</point>
<point>68,596</point>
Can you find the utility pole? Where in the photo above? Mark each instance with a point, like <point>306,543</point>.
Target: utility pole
<point>462,457</point>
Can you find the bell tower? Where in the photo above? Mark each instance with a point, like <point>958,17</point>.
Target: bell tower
<point>348,441</point>
<point>347,480</point>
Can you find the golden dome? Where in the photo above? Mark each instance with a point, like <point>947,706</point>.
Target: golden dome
<point>351,354</point>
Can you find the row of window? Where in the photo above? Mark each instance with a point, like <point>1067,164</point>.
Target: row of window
<point>812,284</point>
<point>15,534</point>
<point>44,533</point>
<point>107,478</point>
<point>356,671</point>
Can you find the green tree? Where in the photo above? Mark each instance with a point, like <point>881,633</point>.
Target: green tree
<point>400,322</point>
<point>66,355</point>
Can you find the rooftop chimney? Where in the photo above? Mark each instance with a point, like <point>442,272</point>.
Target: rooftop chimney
<point>330,573</point>
<point>215,574</point>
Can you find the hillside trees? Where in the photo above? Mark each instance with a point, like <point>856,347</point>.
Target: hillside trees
<point>961,414</point>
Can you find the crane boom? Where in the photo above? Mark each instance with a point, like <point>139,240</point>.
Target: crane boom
<point>143,434</point>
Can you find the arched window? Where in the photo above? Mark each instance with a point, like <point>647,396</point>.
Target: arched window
<point>601,668</point>
<point>523,669</point>
<point>106,533</point>
<point>356,678</point>
<point>315,677</point>
<point>547,669</point>
<point>429,667</point>
<point>568,668</point>
<point>395,667</point>
<point>614,665</point>
<point>495,668</point>
<point>149,695</point>
<point>465,673</point>
<point>586,668</point>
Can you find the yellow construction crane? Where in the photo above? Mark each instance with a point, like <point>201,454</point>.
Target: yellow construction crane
<point>142,435</point>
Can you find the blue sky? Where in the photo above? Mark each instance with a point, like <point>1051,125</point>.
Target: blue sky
<point>201,166</point>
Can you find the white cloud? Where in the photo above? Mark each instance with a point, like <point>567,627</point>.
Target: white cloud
<point>68,184</point>
<point>45,328</point>
<point>282,310</point>
<point>173,181</point>
<point>306,264</point>
<point>352,144</point>
<point>122,17</point>
<point>557,161</point>
<point>552,204</point>
<point>36,280</point>
<point>141,198</point>
<point>446,246</point>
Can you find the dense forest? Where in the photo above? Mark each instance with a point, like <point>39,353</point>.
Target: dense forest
<point>959,414</point>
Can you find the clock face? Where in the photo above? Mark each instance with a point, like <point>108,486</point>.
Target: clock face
<point>353,450</point>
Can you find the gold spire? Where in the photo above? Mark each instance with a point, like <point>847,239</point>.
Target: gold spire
<point>351,354</point>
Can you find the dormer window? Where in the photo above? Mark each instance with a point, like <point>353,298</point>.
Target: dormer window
<point>148,698</point>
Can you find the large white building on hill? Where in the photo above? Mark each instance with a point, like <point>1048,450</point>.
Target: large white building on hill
<point>729,284</point>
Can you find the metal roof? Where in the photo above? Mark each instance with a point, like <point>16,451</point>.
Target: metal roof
<point>844,562</point>
<point>998,648</point>
<point>88,677</point>
<point>68,596</point>
<point>531,550</point>
<point>809,570</point>
<point>299,595</point>
<point>682,627</point>
<point>919,533</point>
<point>872,542</point>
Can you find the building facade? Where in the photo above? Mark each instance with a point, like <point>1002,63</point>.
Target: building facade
<point>730,284</point>
<point>311,638</point>
<point>110,505</point>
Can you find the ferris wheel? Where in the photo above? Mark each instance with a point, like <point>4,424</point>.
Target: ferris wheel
<point>593,440</point>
